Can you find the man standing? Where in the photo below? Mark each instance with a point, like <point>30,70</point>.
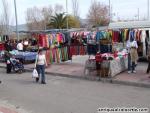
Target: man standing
<point>148,58</point>
<point>25,43</point>
<point>132,55</point>
<point>8,63</point>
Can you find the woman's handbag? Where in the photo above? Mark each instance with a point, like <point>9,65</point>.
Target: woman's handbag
<point>35,73</point>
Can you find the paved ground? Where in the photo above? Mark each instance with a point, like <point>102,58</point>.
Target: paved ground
<point>140,76</point>
<point>75,69</point>
<point>5,107</point>
<point>67,95</point>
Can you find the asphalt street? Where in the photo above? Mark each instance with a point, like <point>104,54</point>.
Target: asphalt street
<point>67,95</point>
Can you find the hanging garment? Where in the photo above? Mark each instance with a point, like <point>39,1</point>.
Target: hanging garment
<point>42,40</point>
<point>127,34</point>
<point>63,54</point>
<point>57,56</point>
<point>115,37</point>
<point>0,38</point>
<point>82,50</point>
<point>99,35</point>
<point>92,49</point>
<point>69,53</point>
<point>105,48</point>
<point>47,56</point>
<point>51,56</point>
<point>47,41</point>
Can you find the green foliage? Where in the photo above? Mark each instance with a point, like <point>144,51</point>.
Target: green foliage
<point>73,22</point>
<point>59,21</point>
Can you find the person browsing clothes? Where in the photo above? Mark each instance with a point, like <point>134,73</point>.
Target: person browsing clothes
<point>132,55</point>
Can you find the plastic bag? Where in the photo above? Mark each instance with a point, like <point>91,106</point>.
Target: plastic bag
<point>8,61</point>
<point>35,73</point>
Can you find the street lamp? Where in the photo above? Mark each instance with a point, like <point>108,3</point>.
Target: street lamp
<point>16,20</point>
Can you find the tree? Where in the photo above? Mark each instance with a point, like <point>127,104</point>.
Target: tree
<point>37,18</point>
<point>98,14</point>
<point>47,12</point>
<point>58,9</point>
<point>75,8</point>
<point>2,28</point>
<point>73,22</point>
<point>5,18</point>
<point>58,21</point>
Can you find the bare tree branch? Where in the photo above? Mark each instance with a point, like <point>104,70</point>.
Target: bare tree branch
<point>98,14</point>
<point>58,9</point>
<point>34,19</point>
<point>47,13</point>
<point>5,18</point>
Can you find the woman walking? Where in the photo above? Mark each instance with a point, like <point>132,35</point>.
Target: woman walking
<point>40,64</point>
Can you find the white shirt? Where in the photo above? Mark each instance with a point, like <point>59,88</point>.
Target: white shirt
<point>41,59</point>
<point>131,44</point>
<point>20,46</point>
<point>134,44</point>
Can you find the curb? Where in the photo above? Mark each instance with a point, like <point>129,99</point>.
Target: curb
<point>103,80</point>
<point>7,110</point>
<point>6,107</point>
<point>70,76</point>
<point>2,67</point>
<point>90,78</point>
<point>127,83</point>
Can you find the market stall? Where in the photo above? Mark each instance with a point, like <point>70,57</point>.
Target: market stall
<point>61,46</point>
<point>109,52</point>
<point>26,56</point>
<point>3,38</point>
<point>114,67</point>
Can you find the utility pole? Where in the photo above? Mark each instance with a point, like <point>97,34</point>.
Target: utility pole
<point>16,20</point>
<point>109,11</point>
<point>67,12</point>
<point>138,14</point>
<point>147,9</point>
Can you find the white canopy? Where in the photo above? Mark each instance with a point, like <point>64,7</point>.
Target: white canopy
<point>130,24</point>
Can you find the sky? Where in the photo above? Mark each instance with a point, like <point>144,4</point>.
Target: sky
<point>122,9</point>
